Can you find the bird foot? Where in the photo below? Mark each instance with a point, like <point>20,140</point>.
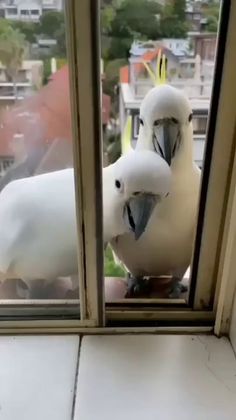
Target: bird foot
<point>137,286</point>
<point>72,294</point>
<point>177,289</point>
<point>22,289</point>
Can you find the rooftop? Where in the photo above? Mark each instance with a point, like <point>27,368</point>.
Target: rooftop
<point>51,108</point>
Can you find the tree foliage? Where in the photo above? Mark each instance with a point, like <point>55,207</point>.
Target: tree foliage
<point>132,20</point>
<point>211,13</point>
<point>173,22</point>
<point>107,17</point>
<point>112,75</point>
<point>60,36</point>
<point>52,25</point>
<point>50,22</point>
<point>29,29</point>
<point>140,19</point>
<point>110,267</point>
<point>179,7</point>
<point>12,49</point>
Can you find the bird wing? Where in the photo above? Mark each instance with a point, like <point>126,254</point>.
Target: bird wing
<point>38,226</point>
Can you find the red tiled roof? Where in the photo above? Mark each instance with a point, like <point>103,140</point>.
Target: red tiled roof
<point>106,108</point>
<point>51,108</point>
<point>124,74</point>
<point>148,56</point>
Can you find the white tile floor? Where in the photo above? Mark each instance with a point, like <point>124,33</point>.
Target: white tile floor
<point>37,376</point>
<point>156,377</point>
<point>120,377</point>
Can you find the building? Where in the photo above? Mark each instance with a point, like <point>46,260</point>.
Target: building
<point>49,5</point>
<point>178,46</point>
<point>137,75</point>
<point>204,44</point>
<point>139,48</point>
<point>28,10</point>
<point>194,18</point>
<point>135,83</point>
<point>29,78</point>
<point>36,132</point>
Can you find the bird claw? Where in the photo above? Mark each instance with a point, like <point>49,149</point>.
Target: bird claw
<point>22,289</point>
<point>177,289</point>
<point>137,286</point>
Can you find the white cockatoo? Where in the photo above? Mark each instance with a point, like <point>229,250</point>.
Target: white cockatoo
<point>38,234</point>
<point>167,244</point>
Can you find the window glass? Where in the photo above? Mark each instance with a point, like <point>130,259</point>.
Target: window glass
<point>183,36</point>
<point>38,231</point>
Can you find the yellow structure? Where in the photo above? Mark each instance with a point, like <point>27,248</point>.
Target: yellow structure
<point>158,78</point>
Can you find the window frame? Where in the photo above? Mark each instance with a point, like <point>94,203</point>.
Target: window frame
<point>226,283</point>
<point>88,310</point>
<point>210,221</point>
<point>85,89</point>
<point>217,170</point>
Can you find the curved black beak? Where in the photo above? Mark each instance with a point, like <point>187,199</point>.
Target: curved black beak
<point>165,139</point>
<point>137,212</point>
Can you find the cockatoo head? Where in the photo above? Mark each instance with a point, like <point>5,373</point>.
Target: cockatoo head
<point>141,180</point>
<point>165,119</point>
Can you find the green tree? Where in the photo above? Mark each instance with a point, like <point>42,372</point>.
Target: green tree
<point>212,24</point>
<point>179,7</point>
<point>107,16</point>
<point>133,19</point>
<point>12,49</point>
<point>211,13</point>
<point>110,267</point>
<point>119,46</point>
<point>29,29</point>
<point>50,23</point>
<point>112,71</point>
<point>46,70</point>
<point>173,22</point>
<point>60,36</point>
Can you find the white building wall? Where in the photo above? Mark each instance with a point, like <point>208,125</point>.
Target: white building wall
<point>28,10</point>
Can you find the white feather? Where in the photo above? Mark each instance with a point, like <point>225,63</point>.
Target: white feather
<point>167,244</point>
<point>37,215</point>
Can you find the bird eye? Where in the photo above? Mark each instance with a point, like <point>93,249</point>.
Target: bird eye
<point>190,117</point>
<point>141,121</point>
<point>117,184</point>
<point>156,123</point>
<point>174,120</point>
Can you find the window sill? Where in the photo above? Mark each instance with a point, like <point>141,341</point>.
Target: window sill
<point>157,376</point>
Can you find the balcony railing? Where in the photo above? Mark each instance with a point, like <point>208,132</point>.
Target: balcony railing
<point>192,88</point>
<point>8,91</point>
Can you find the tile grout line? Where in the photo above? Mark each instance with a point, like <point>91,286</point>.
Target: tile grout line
<point>232,347</point>
<point>76,378</point>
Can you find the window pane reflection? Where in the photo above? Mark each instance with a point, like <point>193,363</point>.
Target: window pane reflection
<point>137,39</point>
<point>36,141</point>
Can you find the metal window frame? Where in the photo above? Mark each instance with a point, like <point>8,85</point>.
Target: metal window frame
<point>214,195</point>
<point>226,280</point>
<point>83,46</point>
<point>217,170</point>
